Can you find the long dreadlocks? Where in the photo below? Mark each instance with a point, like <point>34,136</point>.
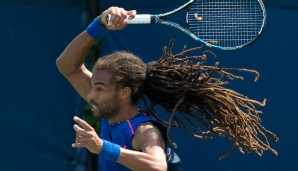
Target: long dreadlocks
<point>194,95</point>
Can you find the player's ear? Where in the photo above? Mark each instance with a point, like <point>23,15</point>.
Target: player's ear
<point>125,93</point>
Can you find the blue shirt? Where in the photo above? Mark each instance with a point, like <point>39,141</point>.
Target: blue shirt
<point>122,134</point>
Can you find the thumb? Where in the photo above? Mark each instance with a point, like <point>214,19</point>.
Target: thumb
<point>131,14</point>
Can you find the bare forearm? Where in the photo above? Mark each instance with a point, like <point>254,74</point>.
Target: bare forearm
<point>73,56</point>
<point>151,158</point>
<point>140,161</point>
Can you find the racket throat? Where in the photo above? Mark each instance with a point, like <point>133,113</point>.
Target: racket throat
<point>154,19</point>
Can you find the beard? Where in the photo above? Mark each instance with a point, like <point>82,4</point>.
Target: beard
<point>105,111</point>
<point>107,107</point>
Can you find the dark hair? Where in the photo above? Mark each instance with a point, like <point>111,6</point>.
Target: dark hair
<point>194,95</point>
<point>127,69</point>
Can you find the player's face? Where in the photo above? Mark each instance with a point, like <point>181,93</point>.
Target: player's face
<point>103,96</point>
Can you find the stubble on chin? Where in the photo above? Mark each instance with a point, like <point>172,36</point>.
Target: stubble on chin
<point>100,115</point>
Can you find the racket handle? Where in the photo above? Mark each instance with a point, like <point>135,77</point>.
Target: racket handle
<point>139,19</point>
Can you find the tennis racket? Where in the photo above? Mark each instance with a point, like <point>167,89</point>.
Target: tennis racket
<point>223,24</point>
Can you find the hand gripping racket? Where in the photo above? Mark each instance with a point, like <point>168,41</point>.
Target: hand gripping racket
<point>223,24</point>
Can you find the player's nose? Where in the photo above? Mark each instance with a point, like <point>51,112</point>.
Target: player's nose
<point>90,96</point>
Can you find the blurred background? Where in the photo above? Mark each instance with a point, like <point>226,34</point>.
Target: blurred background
<point>37,103</point>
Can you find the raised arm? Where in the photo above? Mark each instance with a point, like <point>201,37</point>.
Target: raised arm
<point>71,61</point>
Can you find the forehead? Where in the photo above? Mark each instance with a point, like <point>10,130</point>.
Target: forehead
<point>100,76</point>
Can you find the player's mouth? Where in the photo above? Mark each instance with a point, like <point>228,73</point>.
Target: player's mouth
<point>94,109</point>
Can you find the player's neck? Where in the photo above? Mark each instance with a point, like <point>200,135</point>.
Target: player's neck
<point>125,113</point>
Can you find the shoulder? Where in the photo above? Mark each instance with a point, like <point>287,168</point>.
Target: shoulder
<point>147,134</point>
<point>147,127</point>
<point>143,119</point>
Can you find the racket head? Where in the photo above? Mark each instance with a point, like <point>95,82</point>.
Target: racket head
<point>228,24</point>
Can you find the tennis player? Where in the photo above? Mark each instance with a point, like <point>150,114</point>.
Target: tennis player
<point>130,139</point>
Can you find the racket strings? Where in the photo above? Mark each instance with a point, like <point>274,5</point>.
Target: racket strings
<point>226,23</point>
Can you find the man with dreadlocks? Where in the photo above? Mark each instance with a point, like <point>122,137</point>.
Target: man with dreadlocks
<point>129,139</point>
<point>184,86</point>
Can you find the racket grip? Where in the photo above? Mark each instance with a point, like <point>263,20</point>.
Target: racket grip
<point>139,19</point>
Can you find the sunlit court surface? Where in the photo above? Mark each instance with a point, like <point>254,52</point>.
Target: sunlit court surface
<point>38,103</point>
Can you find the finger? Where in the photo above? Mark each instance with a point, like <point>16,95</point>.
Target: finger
<point>79,130</point>
<point>84,139</point>
<point>77,139</point>
<point>112,11</point>
<point>123,17</point>
<point>103,17</point>
<point>83,123</point>
<point>118,17</point>
<point>79,144</point>
<point>131,14</point>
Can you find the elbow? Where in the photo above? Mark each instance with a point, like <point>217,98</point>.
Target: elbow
<point>62,67</point>
<point>163,167</point>
<point>160,166</point>
<point>59,65</point>
<point>154,166</point>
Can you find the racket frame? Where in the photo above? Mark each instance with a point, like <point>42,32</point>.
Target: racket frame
<point>159,19</point>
